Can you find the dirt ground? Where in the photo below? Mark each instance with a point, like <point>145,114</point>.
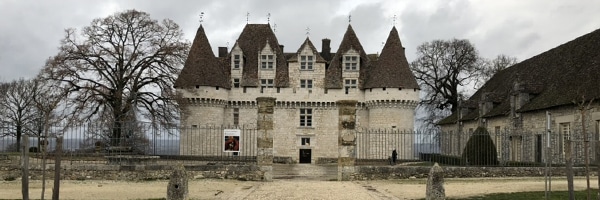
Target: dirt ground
<point>287,189</point>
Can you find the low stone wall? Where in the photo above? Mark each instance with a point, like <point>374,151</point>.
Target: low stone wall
<point>252,172</point>
<point>139,172</point>
<point>404,172</point>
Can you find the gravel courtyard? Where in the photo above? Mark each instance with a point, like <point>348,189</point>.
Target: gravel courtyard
<point>287,189</point>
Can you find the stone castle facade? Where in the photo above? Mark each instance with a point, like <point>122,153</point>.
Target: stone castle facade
<point>306,84</point>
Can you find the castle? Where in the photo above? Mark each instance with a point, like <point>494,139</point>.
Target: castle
<point>306,85</point>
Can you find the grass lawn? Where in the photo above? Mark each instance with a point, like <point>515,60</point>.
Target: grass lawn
<point>537,195</point>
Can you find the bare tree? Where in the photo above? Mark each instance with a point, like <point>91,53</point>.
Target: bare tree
<point>121,65</point>
<point>492,67</point>
<point>17,108</point>
<point>441,67</point>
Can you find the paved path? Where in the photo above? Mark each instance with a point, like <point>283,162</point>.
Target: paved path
<point>299,189</point>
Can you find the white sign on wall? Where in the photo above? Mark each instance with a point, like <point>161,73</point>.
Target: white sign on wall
<point>231,140</point>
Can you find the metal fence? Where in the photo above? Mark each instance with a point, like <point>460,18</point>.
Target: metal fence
<point>90,143</point>
<point>524,148</point>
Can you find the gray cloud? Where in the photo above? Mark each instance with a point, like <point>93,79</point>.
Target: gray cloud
<point>31,30</point>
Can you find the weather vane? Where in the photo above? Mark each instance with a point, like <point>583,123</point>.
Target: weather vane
<point>394,20</point>
<point>201,17</point>
<point>268,18</point>
<point>307,31</point>
<point>275,28</point>
<point>247,17</point>
<point>349,18</point>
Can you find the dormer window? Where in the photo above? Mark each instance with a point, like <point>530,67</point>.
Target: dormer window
<point>351,62</point>
<point>306,62</point>
<point>267,61</point>
<point>237,61</point>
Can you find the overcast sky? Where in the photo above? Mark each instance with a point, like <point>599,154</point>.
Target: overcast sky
<point>30,30</point>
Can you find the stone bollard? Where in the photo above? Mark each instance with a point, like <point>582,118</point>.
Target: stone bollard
<point>435,184</point>
<point>178,184</point>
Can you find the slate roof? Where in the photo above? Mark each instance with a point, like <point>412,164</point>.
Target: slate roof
<point>333,75</point>
<point>202,68</point>
<point>554,78</point>
<point>252,40</point>
<point>391,69</point>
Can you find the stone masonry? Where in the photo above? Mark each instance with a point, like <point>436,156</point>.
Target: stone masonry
<point>346,139</point>
<point>265,136</point>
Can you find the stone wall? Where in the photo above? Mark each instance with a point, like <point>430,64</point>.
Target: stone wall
<point>139,173</point>
<point>388,172</point>
<point>252,172</point>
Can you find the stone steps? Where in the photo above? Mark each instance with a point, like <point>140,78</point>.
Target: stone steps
<point>305,172</point>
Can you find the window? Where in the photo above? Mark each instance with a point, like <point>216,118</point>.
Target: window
<point>351,63</point>
<point>565,133</point>
<point>266,61</point>
<point>305,141</point>
<point>265,83</point>
<point>236,61</point>
<point>305,117</point>
<point>236,82</point>
<point>306,62</point>
<point>236,116</point>
<point>350,83</point>
<point>194,126</point>
<point>306,83</point>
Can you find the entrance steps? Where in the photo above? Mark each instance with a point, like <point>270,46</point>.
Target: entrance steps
<point>326,172</point>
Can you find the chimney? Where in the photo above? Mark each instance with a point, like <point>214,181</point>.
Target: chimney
<point>222,52</point>
<point>326,49</point>
<point>281,47</point>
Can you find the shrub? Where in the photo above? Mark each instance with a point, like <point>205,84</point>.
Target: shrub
<point>480,149</point>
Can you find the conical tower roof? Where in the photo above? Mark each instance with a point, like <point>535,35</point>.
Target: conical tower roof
<point>333,76</point>
<point>391,69</point>
<point>202,68</point>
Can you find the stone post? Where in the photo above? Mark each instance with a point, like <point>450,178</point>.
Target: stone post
<point>264,141</point>
<point>178,184</point>
<point>435,184</point>
<point>346,139</point>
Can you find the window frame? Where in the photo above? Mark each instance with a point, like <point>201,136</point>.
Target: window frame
<point>351,62</point>
<point>306,83</point>
<point>237,61</point>
<point>236,83</point>
<point>306,117</point>
<point>267,61</point>
<point>350,83</point>
<point>307,62</point>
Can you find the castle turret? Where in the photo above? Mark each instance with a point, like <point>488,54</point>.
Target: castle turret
<point>202,74</point>
<point>391,90</point>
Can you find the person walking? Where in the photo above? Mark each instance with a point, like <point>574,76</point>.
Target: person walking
<point>394,157</point>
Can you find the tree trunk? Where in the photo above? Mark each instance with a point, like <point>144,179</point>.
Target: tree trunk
<point>57,160</point>
<point>569,160</point>
<point>25,168</point>
<point>19,138</point>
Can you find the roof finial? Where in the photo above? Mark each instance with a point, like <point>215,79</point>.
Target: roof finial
<point>201,17</point>
<point>227,45</point>
<point>268,18</point>
<point>307,31</point>
<point>247,17</point>
<point>394,20</point>
<point>275,28</point>
<point>382,44</point>
<point>349,18</point>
